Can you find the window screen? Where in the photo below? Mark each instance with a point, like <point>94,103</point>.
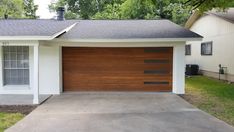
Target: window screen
<point>187,49</point>
<point>206,48</point>
<point>16,65</point>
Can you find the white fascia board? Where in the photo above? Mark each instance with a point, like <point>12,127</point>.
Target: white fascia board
<point>25,38</point>
<point>63,31</point>
<point>130,40</point>
<point>37,37</point>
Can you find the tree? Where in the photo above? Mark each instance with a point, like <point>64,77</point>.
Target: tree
<point>84,9</point>
<point>11,8</point>
<point>206,5</point>
<point>180,13</point>
<point>70,15</point>
<point>63,3</point>
<point>138,9</point>
<point>174,10</point>
<point>125,9</point>
<point>161,8</point>
<point>30,9</point>
<point>110,11</point>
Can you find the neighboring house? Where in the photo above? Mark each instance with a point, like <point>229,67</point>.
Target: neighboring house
<point>217,47</point>
<point>52,56</point>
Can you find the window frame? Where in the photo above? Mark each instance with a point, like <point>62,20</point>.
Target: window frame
<point>190,49</point>
<point>22,67</point>
<point>211,50</point>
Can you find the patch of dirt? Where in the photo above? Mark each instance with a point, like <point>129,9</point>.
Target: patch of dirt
<point>23,109</point>
<point>190,98</point>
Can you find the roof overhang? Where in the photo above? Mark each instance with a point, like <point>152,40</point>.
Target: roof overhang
<point>37,37</point>
<point>192,19</point>
<point>131,40</point>
<point>197,15</point>
<point>26,38</point>
<point>213,14</point>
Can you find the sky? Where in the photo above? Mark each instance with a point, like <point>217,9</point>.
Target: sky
<point>43,9</point>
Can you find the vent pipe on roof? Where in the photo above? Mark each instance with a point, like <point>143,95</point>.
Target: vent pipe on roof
<point>60,13</point>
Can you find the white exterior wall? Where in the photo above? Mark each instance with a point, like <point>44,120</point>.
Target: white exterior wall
<point>49,72</point>
<point>178,58</point>
<point>219,31</point>
<point>179,69</point>
<point>18,89</point>
<point>50,65</point>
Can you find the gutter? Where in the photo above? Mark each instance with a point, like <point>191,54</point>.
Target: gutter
<point>130,40</point>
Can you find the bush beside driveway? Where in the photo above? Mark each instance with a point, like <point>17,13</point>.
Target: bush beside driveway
<point>213,96</point>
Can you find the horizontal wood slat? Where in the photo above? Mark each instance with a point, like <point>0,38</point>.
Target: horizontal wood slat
<point>117,69</point>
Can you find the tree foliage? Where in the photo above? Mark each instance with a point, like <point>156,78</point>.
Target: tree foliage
<point>30,9</point>
<point>18,9</point>
<point>206,5</point>
<point>137,9</point>
<point>11,8</point>
<point>177,11</point>
<point>110,11</point>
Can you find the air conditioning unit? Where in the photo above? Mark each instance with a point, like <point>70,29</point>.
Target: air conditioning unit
<point>191,69</point>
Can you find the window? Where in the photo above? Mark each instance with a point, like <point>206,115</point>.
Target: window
<point>16,65</point>
<point>206,48</point>
<point>188,49</point>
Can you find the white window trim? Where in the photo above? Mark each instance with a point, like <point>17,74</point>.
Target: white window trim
<point>3,69</point>
<point>25,88</point>
<point>186,50</point>
<point>16,87</point>
<point>205,43</point>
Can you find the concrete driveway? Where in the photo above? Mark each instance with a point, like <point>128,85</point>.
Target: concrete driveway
<point>118,112</point>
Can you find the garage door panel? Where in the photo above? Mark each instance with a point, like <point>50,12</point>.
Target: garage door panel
<point>139,53</point>
<point>122,87</point>
<point>99,70</point>
<point>117,66</point>
<point>127,77</point>
<point>117,69</point>
<point>134,59</point>
<point>117,75</point>
<point>98,58</point>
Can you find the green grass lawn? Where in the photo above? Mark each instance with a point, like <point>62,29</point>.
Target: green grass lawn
<point>9,119</point>
<point>212,96</point>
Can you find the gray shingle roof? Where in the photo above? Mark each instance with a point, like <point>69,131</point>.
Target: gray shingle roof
<point>25,27</point>
<point>96,29</point>
<point>227,15</point>
<point>127,29</point>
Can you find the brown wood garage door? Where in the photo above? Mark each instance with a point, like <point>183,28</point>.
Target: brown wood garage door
<point>117,69</point>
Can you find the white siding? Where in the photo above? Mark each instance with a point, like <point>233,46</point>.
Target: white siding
<point>49,72</point>
<point>50,64</point>
<point>18,89</point>
<point>219,31</point>
<point>178,69</point>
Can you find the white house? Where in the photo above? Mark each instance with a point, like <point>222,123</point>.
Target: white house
<point>217,47</point>
<point>53,56</point>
